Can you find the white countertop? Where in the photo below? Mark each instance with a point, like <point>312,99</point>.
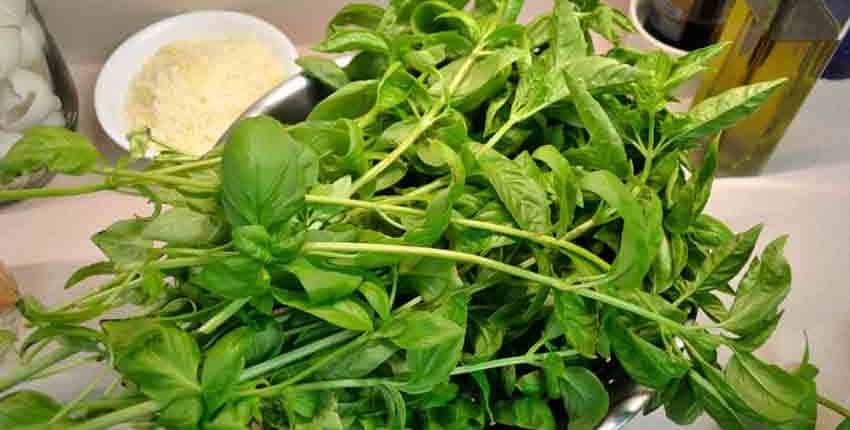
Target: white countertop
<point>805,192</point>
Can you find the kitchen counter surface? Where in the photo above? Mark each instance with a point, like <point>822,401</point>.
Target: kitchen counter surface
<point>804,192</point>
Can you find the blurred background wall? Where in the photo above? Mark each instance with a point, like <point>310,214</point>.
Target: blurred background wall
<point>88,30</point>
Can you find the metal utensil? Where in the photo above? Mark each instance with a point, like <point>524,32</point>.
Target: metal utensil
<point>293,100</point>
<point>63,87</point>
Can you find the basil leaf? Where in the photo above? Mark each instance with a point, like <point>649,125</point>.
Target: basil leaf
<point>429,277</point>
<point>362,361</point>
<point>642,231</point>
<point>426,60</point>
<point>391,176</point>
<point>531,384</point>
<point>756,335</point>
<point>223,365</point>
<point>683,408</point>
<point>323,285</point>
<point>710,232</point>
<point>658,65</point>
<point>455,44</point>
<point>807,414</point>
<point>566,185</point>
<point>441,395</point>
<point>325,70</point>
<point>425,17</point>
<point>720,384</point>
<point>437,16</point>
<point>418,329</point>
<point>265,174</point>
<point>353,39</point>
<point>691,199</point>
<point>541,85</point>
<point>235,416</point>
<point>396,408</point>
<point>509,10</point>
<point>151,289</point>
<point>489,339</point>
<point>762,290</point>
<point>234,278</point>
<point>349,102</point>
<point>503,35</point>
<point>181,226</point>
<point>326,416</point>
<point>302,403</point>
<point>599,73</point>
<point>585,397</point>
<point>609,22</point>
<point>89,271</point>
<point>55,149</point>
<point>493,120</point>
<point>367,66</point>
<point>322,136</point>
<point>122,242</point>
<point>395,88</point>
<point>350,313</point>
<point>432,366</point>
<point>567,35</point>
<point>484,386</point>
<point>268,339</point>
<point>662,268</point>
<point>28,410</point>
<point>163,362</point>
<point>35,312</point>
<point>538,88</point>
<point>377,297</point>
<point>357,15</point>
<point>692,64</point>
<point>715,404</point>
<point>524,198</point>
<point>485,78</point>
<point>182,414</point>
<point>439,211</point>
<point>578,320</point>
<point>253,241</point>
<point>527,413</point>
<point>712,306</point>
<point>645,363</point>
<point>606,150</point>
<point>721,111</point>
<point>726,261</point>
<point>770,391</point>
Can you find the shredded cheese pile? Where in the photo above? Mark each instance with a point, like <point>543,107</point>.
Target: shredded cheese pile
<point>190,92</point>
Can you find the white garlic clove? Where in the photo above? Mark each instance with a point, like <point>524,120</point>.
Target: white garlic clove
<point>12,12</point>
<point>32,42</point>
<point>8,98</point>
<point>10,54</point>
<point>38,101</point>
<point>7,140</point>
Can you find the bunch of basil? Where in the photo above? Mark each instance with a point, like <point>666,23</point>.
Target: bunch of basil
<point>479,219</point>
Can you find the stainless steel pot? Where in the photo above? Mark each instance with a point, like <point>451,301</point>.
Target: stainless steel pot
<point>293,100</point>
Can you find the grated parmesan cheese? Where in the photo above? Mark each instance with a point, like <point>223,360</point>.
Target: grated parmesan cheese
<point>190,92</point>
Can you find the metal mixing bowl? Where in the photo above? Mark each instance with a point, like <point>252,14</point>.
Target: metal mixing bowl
<point>293,100</point>
<point>63,87</point>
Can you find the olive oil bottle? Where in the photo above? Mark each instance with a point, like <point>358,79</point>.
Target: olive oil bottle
<point>771,39</point>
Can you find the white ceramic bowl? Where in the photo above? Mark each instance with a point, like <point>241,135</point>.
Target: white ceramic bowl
<point>113,83</point>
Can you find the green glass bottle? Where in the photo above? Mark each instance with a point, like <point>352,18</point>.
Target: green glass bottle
<point>770,39</point>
